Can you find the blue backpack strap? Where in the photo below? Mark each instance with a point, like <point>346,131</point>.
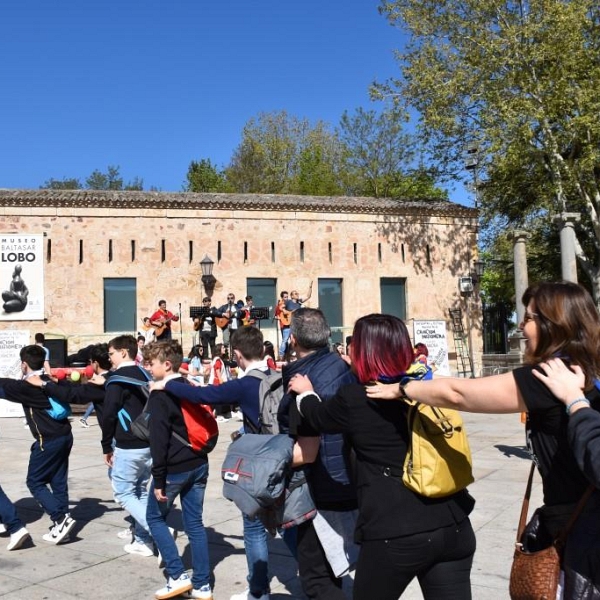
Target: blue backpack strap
<point>123,416</point>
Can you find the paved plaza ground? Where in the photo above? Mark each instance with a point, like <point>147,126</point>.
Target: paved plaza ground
<point>94,564</point>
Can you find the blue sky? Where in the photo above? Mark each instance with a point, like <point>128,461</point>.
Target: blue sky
<point>150,86</point>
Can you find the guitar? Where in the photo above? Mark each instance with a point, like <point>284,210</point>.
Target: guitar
<point>285,317</point>
<point>245,316</point>
<point>223,321</point>
<point>160,329</point>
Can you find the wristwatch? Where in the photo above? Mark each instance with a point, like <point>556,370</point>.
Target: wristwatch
<point>403,394</point>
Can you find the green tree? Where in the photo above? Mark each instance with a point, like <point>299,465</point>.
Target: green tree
<point>111,180</point>
<point>203,176</point>
<point>62,184</point>
<point>282,154</point>
<point>521,79</point>
<point>377,150</point>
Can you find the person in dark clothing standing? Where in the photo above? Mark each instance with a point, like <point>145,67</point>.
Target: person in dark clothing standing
<point>208,329</point>
<point>402,535</point>
<point>47,474</point>
<point>333,493</point>
<point>177,471</point>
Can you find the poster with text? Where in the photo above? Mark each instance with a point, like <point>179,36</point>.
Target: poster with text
<point>21,277</point>
<point>433,335</point>
<point>11,342</point>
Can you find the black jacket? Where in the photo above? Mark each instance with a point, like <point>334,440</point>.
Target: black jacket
<point>35,404</point>
<point>122,396</point>
<point>328,475</point>
<point>169,455</point>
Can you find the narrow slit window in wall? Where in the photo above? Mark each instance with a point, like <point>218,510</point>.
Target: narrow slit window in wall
<point>330,252</point>
<point>272,252</point>
<point>110,250</point>
<point>301,251</point>
<point>191,251</point>
<point>355,253</point>
<point>132,250</point>
<point>428,254</point>
<point>402,252</point>
<point>80,252</point>
<point>219,253</point>
<point>49,251</point>
<point>163,250</point>
<point>379,258</point>
<point>245,252</point>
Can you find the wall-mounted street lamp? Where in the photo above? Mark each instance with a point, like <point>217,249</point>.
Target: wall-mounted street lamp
<point>467,284</point>
<point>208,279</point>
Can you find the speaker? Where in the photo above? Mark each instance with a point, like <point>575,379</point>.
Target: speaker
<point>58,352</point>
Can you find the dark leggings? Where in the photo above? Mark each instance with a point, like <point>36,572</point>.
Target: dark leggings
<point>441,560</point>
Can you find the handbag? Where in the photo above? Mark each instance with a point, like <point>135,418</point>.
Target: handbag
<point>535,574</point>
<point>438,459</point>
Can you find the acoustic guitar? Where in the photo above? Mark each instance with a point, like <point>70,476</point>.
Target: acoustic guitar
<point>285,317</point>
<point>160,329</point>
<point>223,321</point>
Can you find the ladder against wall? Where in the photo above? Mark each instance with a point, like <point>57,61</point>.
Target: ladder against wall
<point>463,360</point>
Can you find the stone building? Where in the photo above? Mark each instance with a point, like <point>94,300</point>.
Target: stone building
<point>110,256</point>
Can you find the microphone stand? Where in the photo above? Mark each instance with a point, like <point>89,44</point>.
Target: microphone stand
<point>180,328</point>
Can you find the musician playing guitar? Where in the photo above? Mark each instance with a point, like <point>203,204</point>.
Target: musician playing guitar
<point>161,320</point>
<point>285,307</point>
<point>228,317</point>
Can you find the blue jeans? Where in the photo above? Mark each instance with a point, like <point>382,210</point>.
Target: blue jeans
<point>8,514</point>
<point>190,487</point>
<point>88,411</point>
<point>48,473</point>
<point>257,555</point>
<point>285,336</point>
<point>130,478</point>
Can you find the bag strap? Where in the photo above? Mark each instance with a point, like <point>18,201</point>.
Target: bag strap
<point>561,538</point>
<point>525,505</point>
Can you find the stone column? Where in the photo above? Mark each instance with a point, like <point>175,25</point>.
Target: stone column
<point>519,239</point>
<point>568,260</point>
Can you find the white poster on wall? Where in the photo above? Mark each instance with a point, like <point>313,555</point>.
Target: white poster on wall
<point>21,277</point>
<point>11,342</point>
<point>433,335</point>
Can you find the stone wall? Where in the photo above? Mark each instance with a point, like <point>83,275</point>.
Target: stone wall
<point>161,246</point>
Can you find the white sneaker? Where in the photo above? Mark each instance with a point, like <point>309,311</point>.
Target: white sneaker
<point>18,538</point>
<point>125,534</point>
<point>175,587</point>
<point>59,531</point>
<point>204,593</point>
<point>222,419</point>
<point>140,549</point>
<point>2,528</point>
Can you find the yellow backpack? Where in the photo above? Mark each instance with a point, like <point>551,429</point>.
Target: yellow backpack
<point>438,460</point>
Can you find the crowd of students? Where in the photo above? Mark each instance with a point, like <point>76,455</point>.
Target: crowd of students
<point>334,412</point>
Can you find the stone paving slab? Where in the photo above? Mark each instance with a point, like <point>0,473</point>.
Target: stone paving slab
<point>95,565</point>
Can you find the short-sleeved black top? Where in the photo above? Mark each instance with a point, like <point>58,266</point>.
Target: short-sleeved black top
<point>547,423</point>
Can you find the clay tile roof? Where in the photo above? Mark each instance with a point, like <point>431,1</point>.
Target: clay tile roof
<point>247,202</point>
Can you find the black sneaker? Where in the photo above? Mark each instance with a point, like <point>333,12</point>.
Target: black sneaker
<point>59,531</point>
